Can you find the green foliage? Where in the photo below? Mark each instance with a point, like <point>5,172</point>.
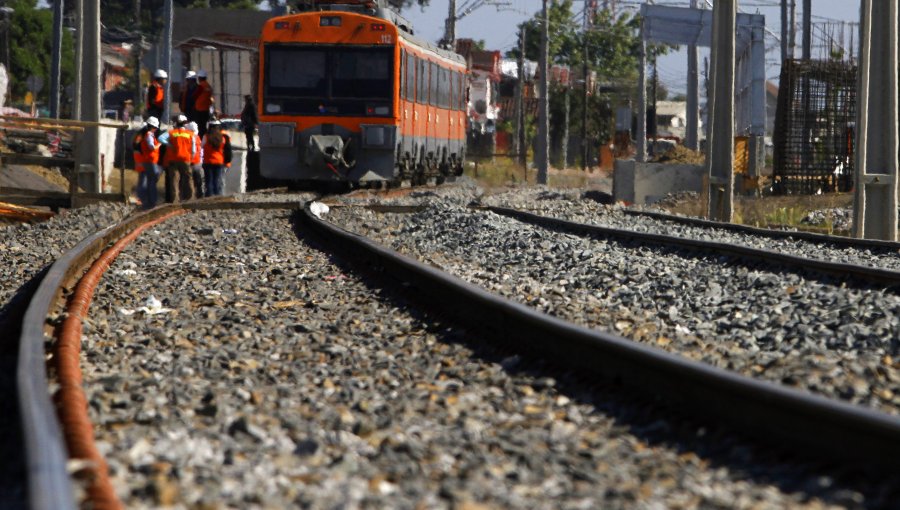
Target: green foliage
<point>30,48</point>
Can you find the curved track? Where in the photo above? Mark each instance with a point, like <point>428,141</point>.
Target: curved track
<point>812,426</point>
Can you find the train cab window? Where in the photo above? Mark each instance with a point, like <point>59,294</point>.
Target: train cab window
<point>464,92</point>
<point>362,73</point>
<point>287,77</point>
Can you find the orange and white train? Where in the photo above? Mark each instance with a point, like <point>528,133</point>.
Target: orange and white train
<point>348,94</point>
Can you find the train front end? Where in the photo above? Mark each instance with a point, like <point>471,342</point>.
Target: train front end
<point>328,98</point>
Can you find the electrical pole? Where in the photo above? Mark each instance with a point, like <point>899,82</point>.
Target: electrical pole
<point>692,124</point>
<point>807,29</point>
<point>137,51</point>
<point>565,138</point>
<point>56,58</point>
<point>89,170</point>
<point>641,135</point>
<point>450,26</point>
<point>785,20</point>
<point>584,72</point>
<point>521,144</point>
<point>793,29</point>
<point>543,144</point>
<point>720,156</point>
<point>167,58</point>
<point>79,59</point>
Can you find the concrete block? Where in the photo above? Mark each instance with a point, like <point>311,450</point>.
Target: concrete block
<point>236,176</point>
<point>646,183</point>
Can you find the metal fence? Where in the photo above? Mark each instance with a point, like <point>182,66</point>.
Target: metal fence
<point>815,127</point>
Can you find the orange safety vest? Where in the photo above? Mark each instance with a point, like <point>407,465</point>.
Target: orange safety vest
<point>148,153</point>
<point>155,95</point>
<point>212,155</point>
<point>197,152</point>
<point>204,96</point>
<point>181,146</point>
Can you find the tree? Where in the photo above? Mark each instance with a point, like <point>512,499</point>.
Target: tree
<point>31,39</point>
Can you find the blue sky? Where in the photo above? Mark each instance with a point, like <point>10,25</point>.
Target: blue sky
<point>497,26</point>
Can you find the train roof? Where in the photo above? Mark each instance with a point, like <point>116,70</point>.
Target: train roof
<point>404,26</point>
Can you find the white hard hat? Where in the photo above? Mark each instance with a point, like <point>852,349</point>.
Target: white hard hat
<point>181,119</point>
<point>190,75</point>
<point>160,74</point>
<point>193,127</point>
<point>215,122</point>
<point>153,121</point>
<point>201,74</point>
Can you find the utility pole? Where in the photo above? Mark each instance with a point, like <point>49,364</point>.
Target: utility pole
<point>564,152</point>
<point>785,32</point>
<point>588,19</point>
<point>167,58</point>
<point>543,144</point>
<point>79,59</point>
<point>807,29</point>
<point>522,145</point>
<point>137,52</point>
<point>450,26</point>
<point>692,124</point>
<point>641,135</point>
<point>793,29</point>
<point>89,170</point>
<point>877,138</point>
<point>720,156</point>
<point>56,58</point>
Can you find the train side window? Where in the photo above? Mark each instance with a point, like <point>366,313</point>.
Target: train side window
<point>410,76</point>
<point>422,81</point>
<point>451,86</point>
<point>433,95</point>
<point>445,85</point>
<point>403,71</point>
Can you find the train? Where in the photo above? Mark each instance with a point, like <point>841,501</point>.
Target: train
<point>347,94</point>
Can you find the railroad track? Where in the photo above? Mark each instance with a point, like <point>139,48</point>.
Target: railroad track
<point>786,417</point>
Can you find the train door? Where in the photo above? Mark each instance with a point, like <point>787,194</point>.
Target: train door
<point>407,103</point>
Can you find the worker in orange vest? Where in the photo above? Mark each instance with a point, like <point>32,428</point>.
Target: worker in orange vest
<point>179,154</point>
<point>203,101</point>
<point>197,162</point>
<point>156,94</point>
<point>217,153</point>
<point>146,162</point>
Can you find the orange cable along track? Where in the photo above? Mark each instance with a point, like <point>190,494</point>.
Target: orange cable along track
<point>71,401</point>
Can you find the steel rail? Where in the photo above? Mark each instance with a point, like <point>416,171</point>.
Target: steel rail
<point>811,425</point>
<point>49,483</point>
<point>874,275</point>
<point>850,242</point>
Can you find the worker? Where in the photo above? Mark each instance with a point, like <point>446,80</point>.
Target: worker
<point>156,94</point>
<point>197,161</point>
<point>179,154</point>
<point>217,153</point>
<point>146,162</point>
<point>188,91</point>
<point>203,102</point>
<point>249,121</point>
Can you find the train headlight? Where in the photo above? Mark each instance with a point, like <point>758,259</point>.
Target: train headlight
<point>378,110</point>
<point>273,108</point>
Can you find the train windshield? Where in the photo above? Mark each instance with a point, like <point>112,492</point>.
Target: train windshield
<point>327,80</point>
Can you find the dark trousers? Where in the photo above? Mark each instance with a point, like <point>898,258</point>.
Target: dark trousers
<point>251,142</point>
<point>202,119</point>
<point>179,181</point>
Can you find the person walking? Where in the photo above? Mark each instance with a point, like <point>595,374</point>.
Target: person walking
<point>179,153</point>
<point>249,121</point>
<point>217,154</point>
<point>156,94</point>
<point>197,161</point>
<point>188,93</point>
<point>146,162</point>
<point>203,101</point>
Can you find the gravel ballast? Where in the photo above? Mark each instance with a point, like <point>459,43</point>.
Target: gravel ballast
<point>25,249</point>
<point>799,329</point>
<point>572,205</point>
<point>277,379</point>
